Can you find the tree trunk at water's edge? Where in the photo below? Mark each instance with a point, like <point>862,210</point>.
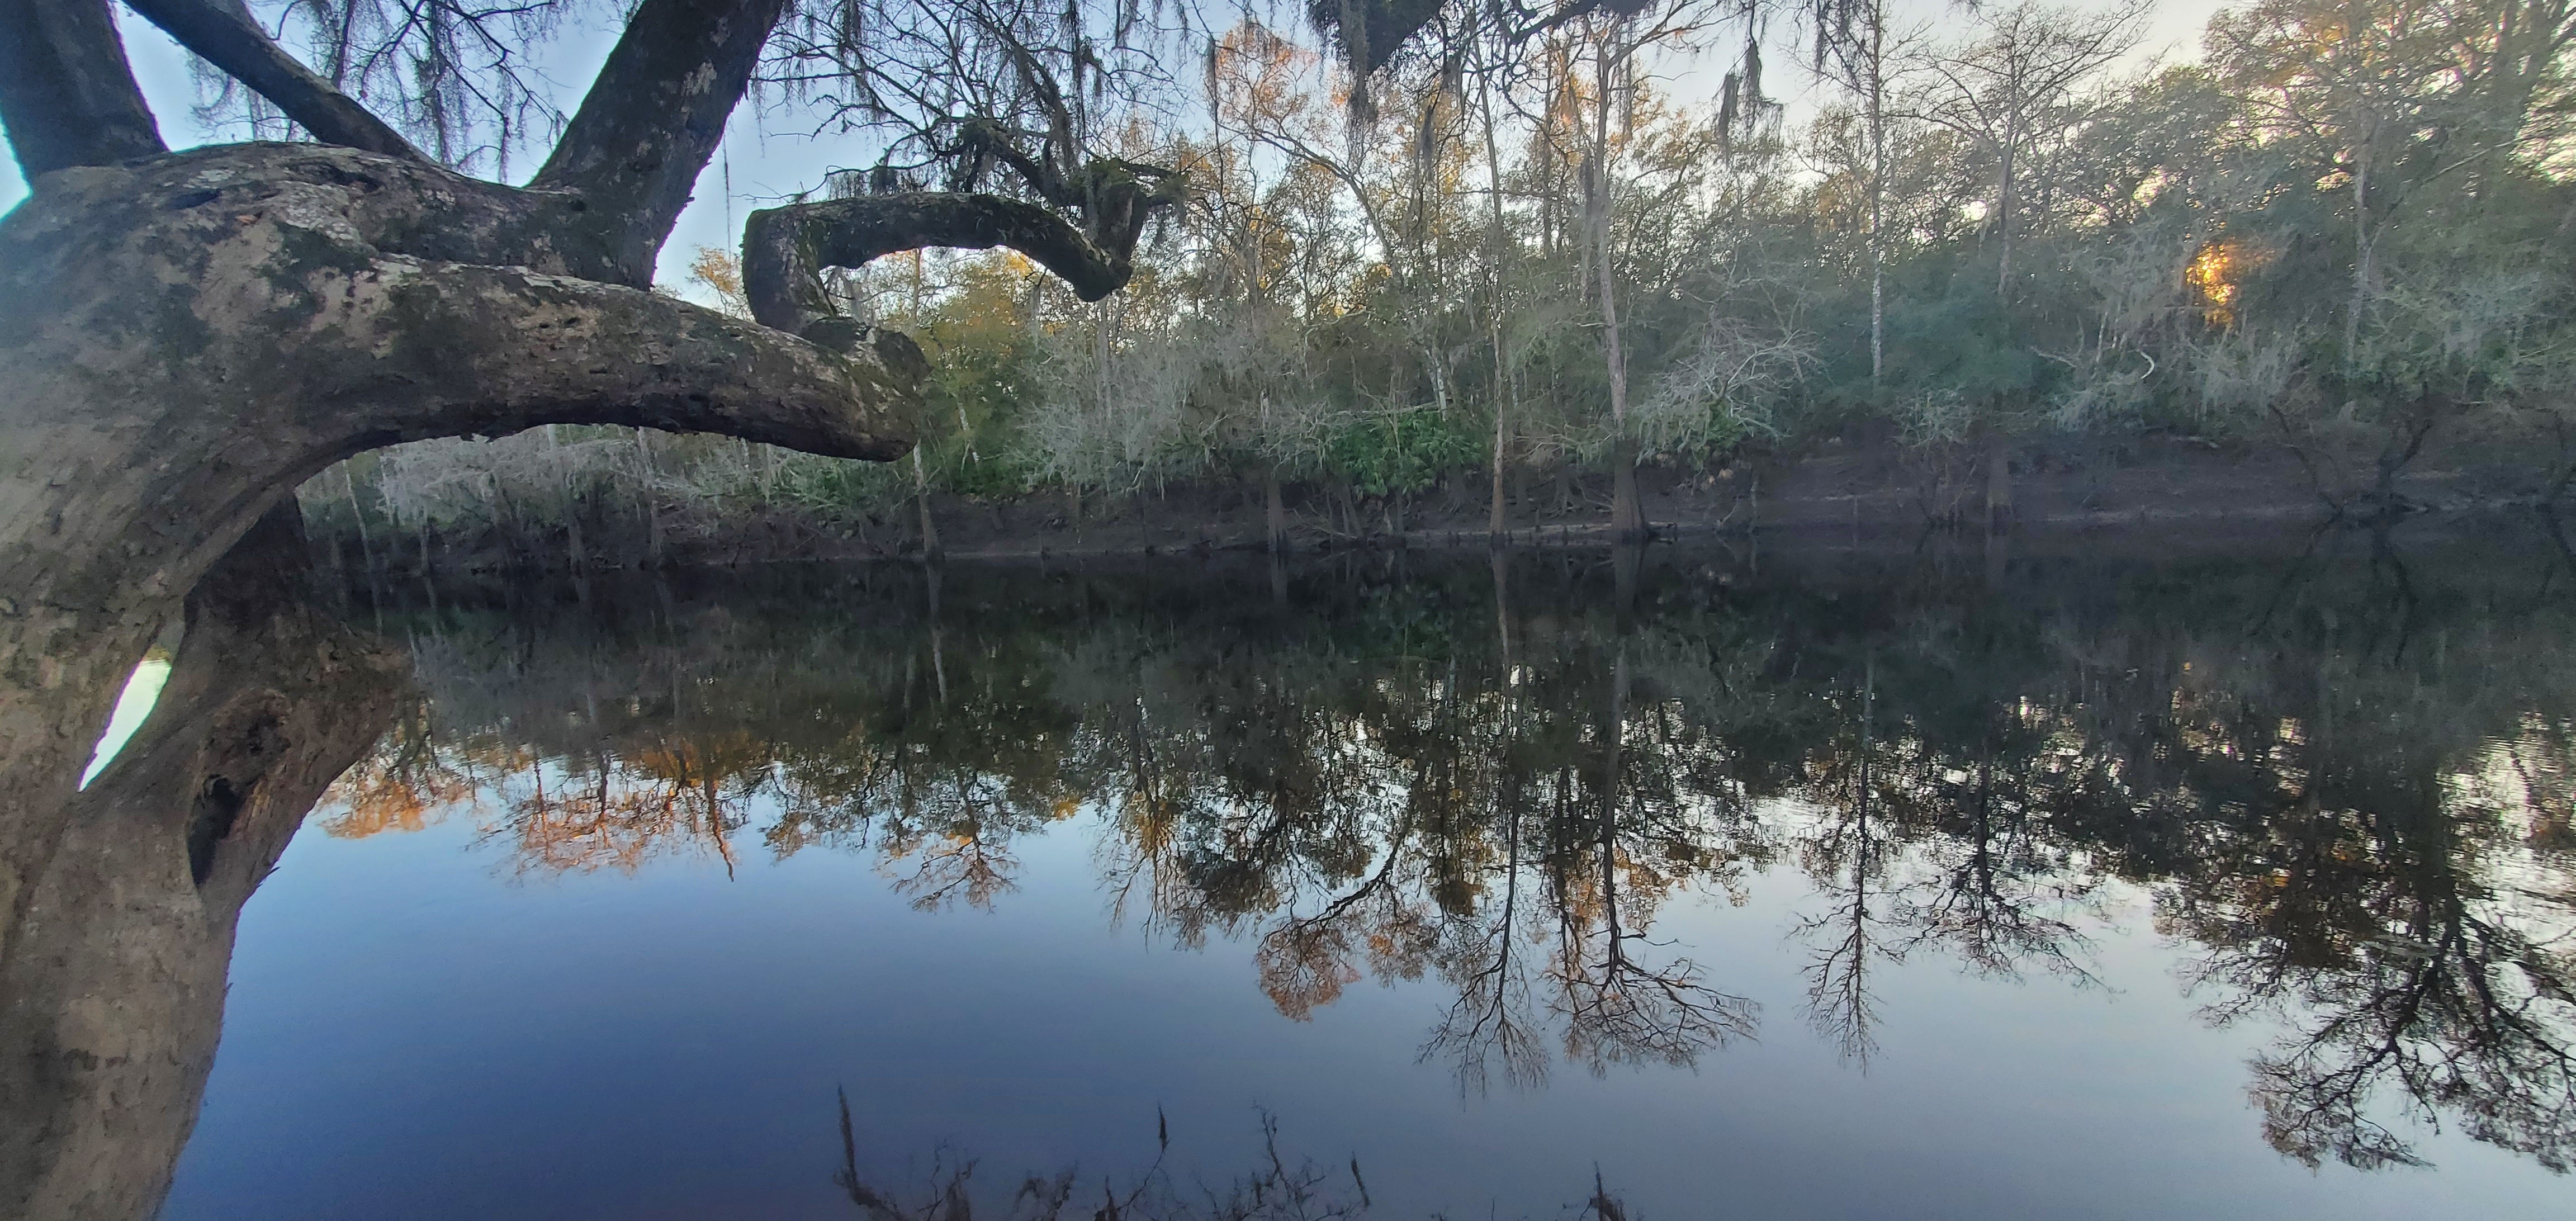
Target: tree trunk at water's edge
<point>921,497</point>
<point>1627,517</point>
<point>1274,511</point>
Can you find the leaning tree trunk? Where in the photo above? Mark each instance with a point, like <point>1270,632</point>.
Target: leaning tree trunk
<point>112,990</point>
<point>185,338</point>
<point>1627,517</point>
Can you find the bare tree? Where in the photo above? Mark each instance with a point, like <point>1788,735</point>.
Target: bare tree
<point>1852,50</point>
<point>2006,88</point>
<point>1617,43</point>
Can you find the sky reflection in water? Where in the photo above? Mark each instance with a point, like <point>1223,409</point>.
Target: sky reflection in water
<point>2072,888</point>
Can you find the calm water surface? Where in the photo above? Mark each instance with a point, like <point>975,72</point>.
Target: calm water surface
<point>1940,884</point>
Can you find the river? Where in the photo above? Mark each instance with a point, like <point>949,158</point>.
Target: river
<point>1929,879</point>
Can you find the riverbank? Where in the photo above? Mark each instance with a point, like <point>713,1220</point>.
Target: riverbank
<point>2060,485</point>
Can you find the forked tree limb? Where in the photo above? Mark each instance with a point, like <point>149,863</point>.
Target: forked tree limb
<point>630,157</point>
<point>224,34</point>
<point>650,122</point>
<point>67,96</point>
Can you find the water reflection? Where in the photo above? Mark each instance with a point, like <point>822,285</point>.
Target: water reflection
<point>2343,779</point>
<point>2346,785</point>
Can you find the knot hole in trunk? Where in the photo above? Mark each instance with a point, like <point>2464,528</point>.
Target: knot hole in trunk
<point>237,756</point>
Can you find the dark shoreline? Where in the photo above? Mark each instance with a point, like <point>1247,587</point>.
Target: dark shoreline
<point>2187,494</point>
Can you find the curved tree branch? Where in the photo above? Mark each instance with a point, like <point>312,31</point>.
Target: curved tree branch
<point>225,35</point>
<point>452,349</point>
<point>66,94</point>
<point>784,250</point>
<point>389,349</point>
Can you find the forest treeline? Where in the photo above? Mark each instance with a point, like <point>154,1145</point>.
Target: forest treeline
<point>2343,228</point>
<point>2345,786</point>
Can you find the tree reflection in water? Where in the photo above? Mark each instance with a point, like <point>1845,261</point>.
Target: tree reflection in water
<point>2345,786</point>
